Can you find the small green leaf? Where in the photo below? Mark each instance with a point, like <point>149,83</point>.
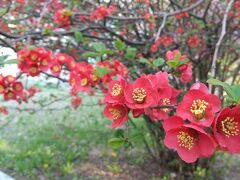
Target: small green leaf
<point>101,71</point>
<point>172,64</point>
<point>181,62</point>
<point>131,53</point>
<point>116,142</point>
<point>120,45</point>
<point>91,54</point>
<point>119,133</point>
<point>144,61</point>
<point>78,36</point>
<point>225,86</point>
<point>99,47</point>
<point>158,62</point>
<point>3,11</point>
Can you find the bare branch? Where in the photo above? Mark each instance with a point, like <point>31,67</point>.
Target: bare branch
<point>223,32</point>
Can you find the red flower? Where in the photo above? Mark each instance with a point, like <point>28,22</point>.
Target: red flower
<point>193,41</point>
<point>3,110</point>
<point>101,12</point>
<point>166,95</point>
<point>154,48</point>
<point>190,141</point>
<point>76,101</point>
<point>199,107</point>
<point>226,129</point>
<point>185,71</point>
<point>137,112</point>
<point>17,88</point>
<point>56,69</point>
<point>9,95</point>
<point>62,17</point>
<point>118,113</point>
<point>140,94</point>
<point>115,92</point>
<point>182,15</point>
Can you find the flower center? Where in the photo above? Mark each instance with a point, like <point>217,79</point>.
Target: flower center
<point>198,108</point>
<point>1,89</point>
<point>18,87</point>
<point>185,140</point>
<point>230,127</point>
<point>44,62</point>
<point>33,69</point>
<point>139,95</point>
<point>116,113</point>
<point>56,68</point>
<point>84,82</point>
<point>166,101</point>
<point>116,90</point>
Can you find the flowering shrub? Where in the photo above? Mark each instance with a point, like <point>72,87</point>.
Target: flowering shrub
<point>159,62</point>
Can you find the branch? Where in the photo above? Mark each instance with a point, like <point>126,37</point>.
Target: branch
<point>223,32</point>
<point>165,16</point>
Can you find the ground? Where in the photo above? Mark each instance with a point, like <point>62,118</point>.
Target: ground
<point>73,144</point>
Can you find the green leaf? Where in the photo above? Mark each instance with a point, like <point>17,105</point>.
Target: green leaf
<point>131,53</point>
<point>11,61</point>
<point>181,62</point>
<point>144,61</point>
<point>116,142</point>
<point>99,47</point>
<point>236,92</point>
<point>91,54</point>
<point>225,86</point>
<point>107,51</point>
<point>4,57</point>
<point>3,11</point>
<point>120,45</point>
<point>172,64</point>
<point>158,62</point>
<point>119,133</point>
<point>78,36</point>
<point>101,71</point>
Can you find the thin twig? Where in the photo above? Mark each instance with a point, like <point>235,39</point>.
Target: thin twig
<point>223,32</point>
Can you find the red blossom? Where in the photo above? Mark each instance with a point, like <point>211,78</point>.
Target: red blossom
<point>191,142</point>
<point>118,113</point>
<point>76,101</point>
<point>62,17</point>
<point>140,94</point>
<point>226,128</point>
<point>115,92</point>
<point>193,41</point>
<point>199,107</point>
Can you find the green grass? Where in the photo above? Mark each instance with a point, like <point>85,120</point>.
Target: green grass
<point>51,144</point>
<point>48,143</point>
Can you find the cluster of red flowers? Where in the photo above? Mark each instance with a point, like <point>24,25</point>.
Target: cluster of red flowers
<point>150,19</point>
<point>144,95</point>
<point>62,17</point>
<point>10,88</point>
<point>164,40</point>
<point>196,131</point>
<point>33,61</point>
<point>101,12</point>
<point>82,75</point>
<point>183,71</point>
<point>14,90</point>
